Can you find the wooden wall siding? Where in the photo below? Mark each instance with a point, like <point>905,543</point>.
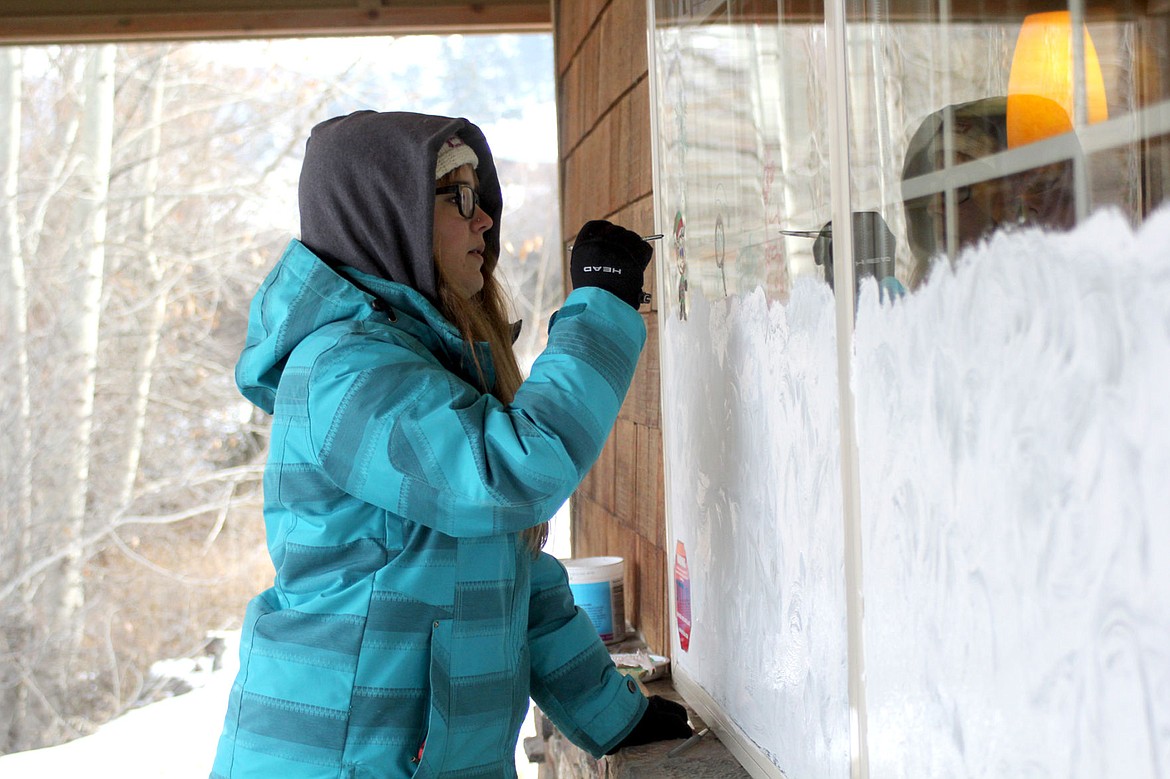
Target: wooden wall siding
<point>604,118</point>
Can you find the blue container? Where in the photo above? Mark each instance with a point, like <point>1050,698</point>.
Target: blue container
<point>598,585</point>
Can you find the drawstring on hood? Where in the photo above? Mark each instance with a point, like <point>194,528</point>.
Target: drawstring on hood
<point>367,193</point>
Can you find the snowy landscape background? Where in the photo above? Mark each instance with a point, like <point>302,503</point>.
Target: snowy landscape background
<point>129,464</point>
<point>174,738</point>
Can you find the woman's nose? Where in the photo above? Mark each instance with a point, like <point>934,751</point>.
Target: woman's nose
<point>480,221</point>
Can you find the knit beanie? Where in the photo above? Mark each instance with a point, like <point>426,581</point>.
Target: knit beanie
<point>452,154</point>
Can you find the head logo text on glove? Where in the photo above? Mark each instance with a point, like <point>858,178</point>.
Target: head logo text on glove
<point>602,254</point>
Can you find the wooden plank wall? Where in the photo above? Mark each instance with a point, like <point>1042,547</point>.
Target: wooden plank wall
<point>603,95</point>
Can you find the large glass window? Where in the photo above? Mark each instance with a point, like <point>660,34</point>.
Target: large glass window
<point>1007,619</point>
<point>919,526</point>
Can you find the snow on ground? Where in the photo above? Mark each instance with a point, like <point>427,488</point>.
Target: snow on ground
<point>176,738</point>
<point>172,739</point>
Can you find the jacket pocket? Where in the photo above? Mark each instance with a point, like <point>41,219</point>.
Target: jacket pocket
<point>434,740</point>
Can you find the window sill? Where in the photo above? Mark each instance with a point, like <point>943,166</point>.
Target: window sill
<point>560,759</point>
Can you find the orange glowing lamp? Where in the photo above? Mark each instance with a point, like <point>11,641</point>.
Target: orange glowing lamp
<point>1041,89</point>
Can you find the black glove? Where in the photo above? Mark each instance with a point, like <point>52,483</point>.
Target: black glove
<point>612,258</point>
<point>661,721</point>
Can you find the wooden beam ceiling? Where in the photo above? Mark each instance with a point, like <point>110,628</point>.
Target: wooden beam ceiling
<point>62,21</point>
<point>71,21</point>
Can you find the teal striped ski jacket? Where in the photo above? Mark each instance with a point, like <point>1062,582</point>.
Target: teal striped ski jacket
<point>406,608</point>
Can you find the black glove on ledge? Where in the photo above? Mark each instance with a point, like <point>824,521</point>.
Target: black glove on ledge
<point>663,720</point>
<point>611,258</point>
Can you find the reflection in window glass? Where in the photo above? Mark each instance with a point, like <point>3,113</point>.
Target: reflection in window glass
<point>942,222</point>
<point>742,150</point>
<point>965,129</point>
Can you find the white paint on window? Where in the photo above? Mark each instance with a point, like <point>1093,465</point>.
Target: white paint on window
<point>1014,449</point>
<point>751,425</point>
<point>1015,487</point>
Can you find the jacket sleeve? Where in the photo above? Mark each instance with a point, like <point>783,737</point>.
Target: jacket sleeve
<point>393,427</point>
<point>574,681</point>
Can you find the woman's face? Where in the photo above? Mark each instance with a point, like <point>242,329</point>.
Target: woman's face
<point>459,241</point>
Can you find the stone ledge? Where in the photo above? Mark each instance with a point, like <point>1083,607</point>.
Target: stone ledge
<point>560,759</point>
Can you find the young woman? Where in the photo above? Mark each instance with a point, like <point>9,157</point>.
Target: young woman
<point>411,473</point>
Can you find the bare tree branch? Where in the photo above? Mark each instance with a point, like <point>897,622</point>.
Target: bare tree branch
<point>90,540</point>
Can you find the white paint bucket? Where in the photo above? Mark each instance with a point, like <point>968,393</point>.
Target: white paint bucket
<point>598,585</point>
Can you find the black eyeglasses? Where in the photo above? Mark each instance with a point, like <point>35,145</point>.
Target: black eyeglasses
<point>466,198</point>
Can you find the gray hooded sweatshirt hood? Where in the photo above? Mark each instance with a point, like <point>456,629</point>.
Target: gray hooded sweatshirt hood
<point>367,193</point>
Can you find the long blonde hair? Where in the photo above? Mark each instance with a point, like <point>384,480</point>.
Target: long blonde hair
<point>484,318</point>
